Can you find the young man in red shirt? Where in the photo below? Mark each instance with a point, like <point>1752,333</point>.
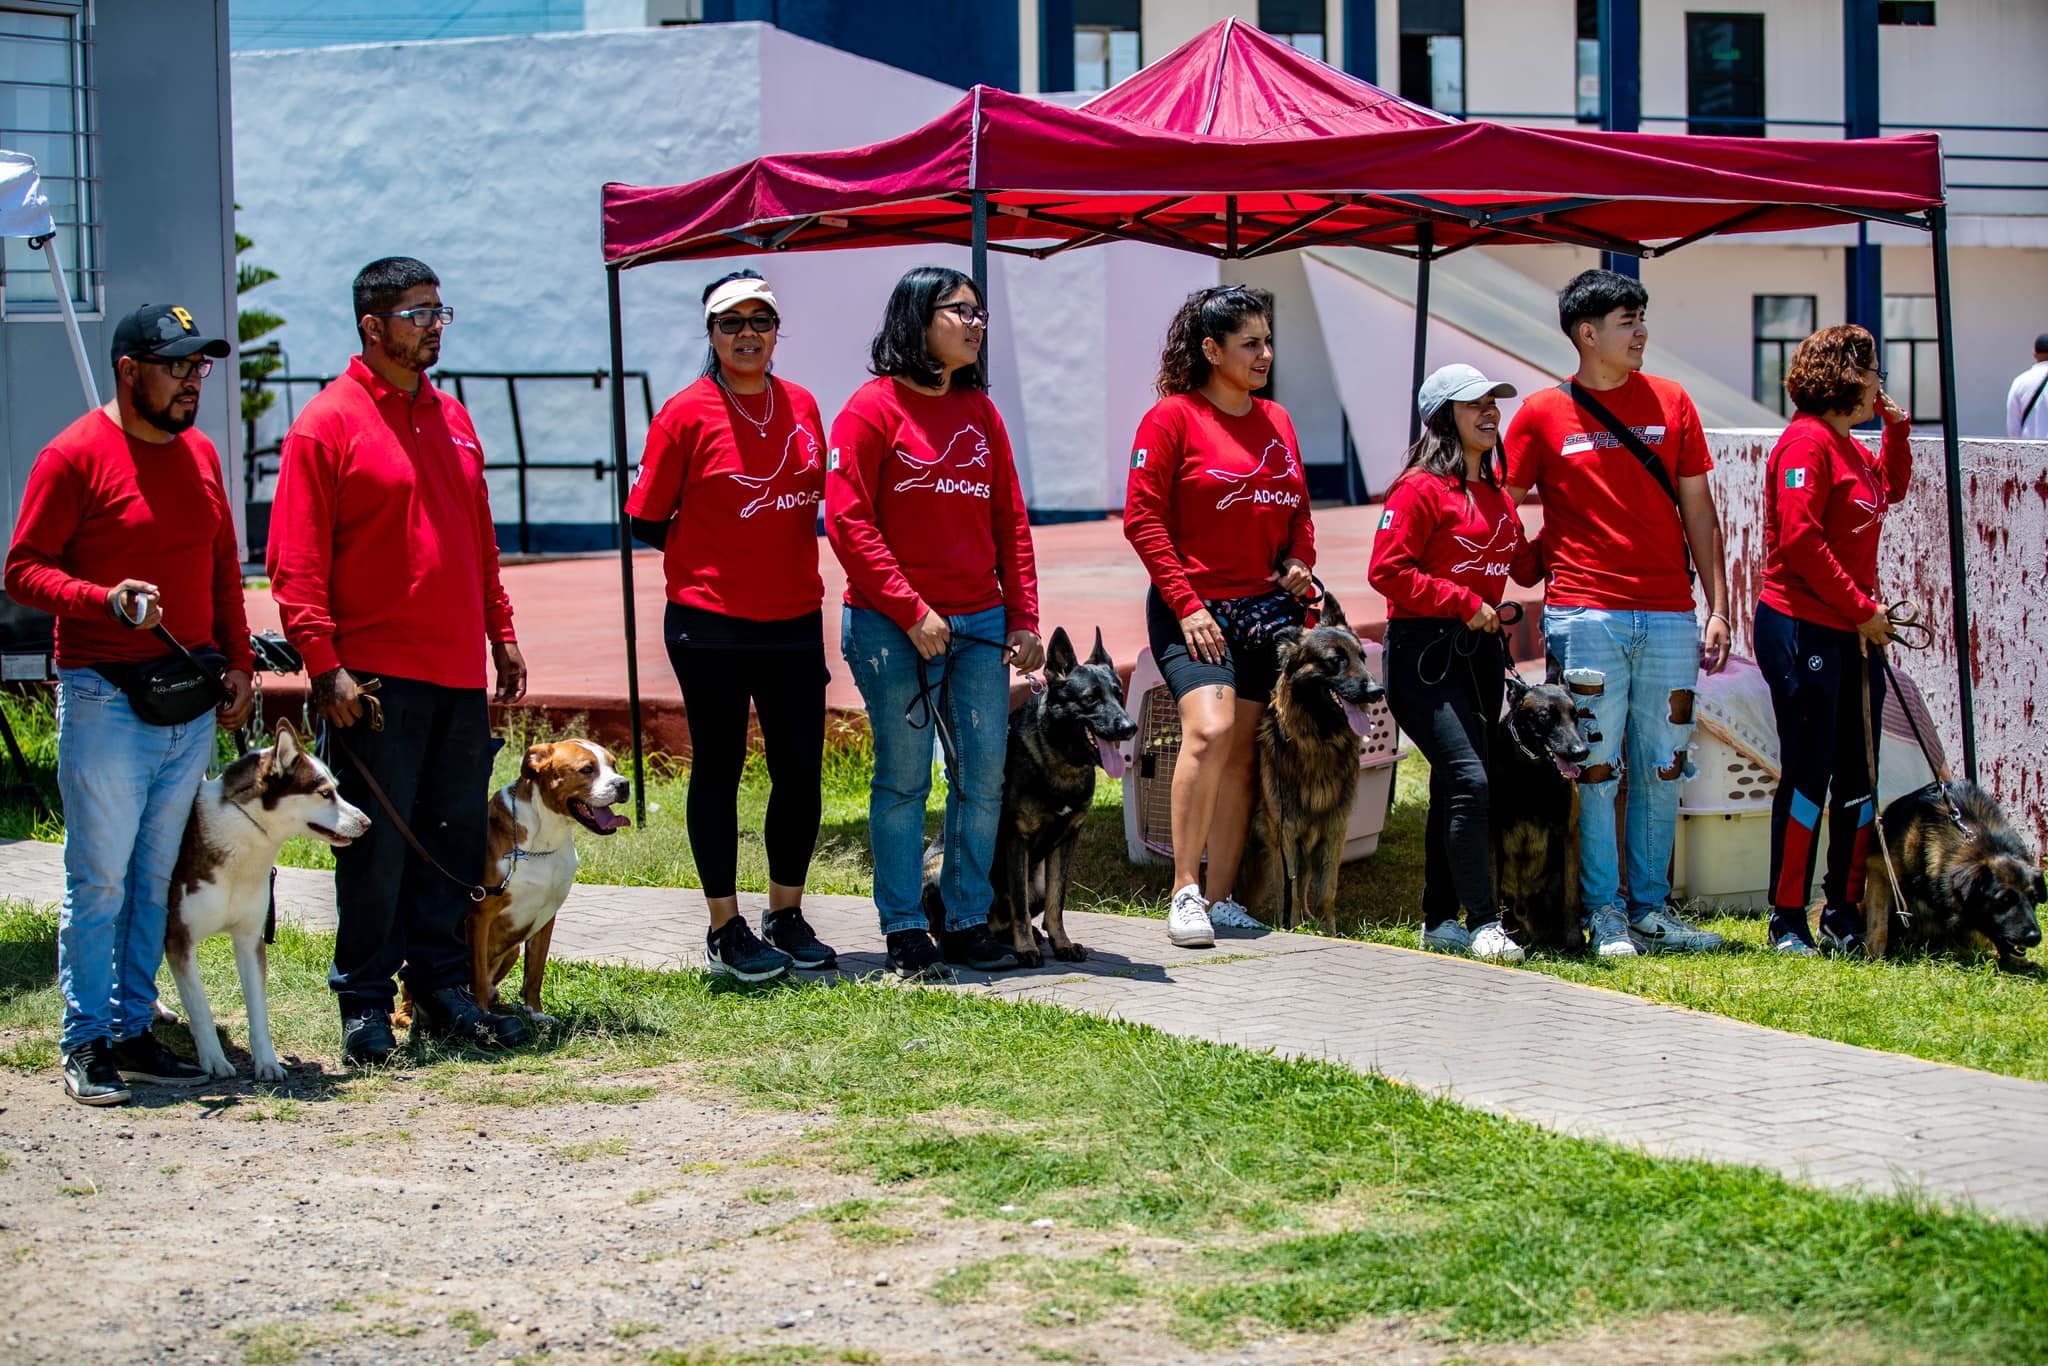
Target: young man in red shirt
<point>1620,539</point>
<point>384,566</point>
<point>125,528</point>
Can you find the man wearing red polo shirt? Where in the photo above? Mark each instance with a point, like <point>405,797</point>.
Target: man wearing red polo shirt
<point>384,566</point>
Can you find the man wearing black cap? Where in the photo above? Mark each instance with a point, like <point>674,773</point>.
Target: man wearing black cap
<point>125,527</point>
<point>2026,411</point>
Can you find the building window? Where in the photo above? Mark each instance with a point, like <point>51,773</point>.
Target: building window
<point>1724,75</point>
<point>1106,42</point>
<point>1912,355</point>
<point>44,82</point>
<point>1300,24</point>
<point>1779,322</point>
<point>1907,13</point>
<point>1589,61</point>
<point>1433,53</point>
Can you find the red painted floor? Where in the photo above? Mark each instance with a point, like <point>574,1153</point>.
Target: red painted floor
<point>572,631</point>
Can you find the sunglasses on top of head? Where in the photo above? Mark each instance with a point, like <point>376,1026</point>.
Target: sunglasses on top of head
<point>759,323</point>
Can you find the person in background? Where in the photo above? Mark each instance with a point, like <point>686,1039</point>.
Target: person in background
<point>1217,508</point>
<point>384,567</point>
<point>1448,542</point>
<point>924,511</point>
<point>125,529</point>
<point>2026,415</point>
<point>1817,618</point>
<point>1622,464</point>
<point>729,490</point>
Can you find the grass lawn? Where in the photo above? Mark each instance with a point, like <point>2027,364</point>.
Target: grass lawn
<point>1970,1014</point>
<point>1295,1196</point>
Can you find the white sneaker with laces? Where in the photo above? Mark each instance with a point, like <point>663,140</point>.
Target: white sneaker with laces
<point>1449,937</point>
<point>1491,943</point>
<point>1187,920</point>
<point>1230,914</point>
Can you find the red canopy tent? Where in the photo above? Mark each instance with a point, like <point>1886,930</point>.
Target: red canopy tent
<point>1237,146</point>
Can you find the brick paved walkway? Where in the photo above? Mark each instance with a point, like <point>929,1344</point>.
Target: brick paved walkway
<point>1573,1058</point>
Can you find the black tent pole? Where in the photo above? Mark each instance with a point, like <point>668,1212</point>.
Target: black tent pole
<point>1425,242</point>
<point>620,488</point>
<point>979,220</point>
<point>1952,450</point>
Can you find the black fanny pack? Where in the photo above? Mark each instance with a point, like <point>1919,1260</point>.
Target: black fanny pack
<point>183,686</point>
<point>1252,623</point>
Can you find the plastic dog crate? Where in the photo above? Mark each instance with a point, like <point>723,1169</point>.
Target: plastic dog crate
<point>1148,782</point>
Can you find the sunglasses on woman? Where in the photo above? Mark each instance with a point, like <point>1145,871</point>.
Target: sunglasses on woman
<point>760,323</point>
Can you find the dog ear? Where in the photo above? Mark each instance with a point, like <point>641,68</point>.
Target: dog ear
<point>1517,689</point>
<point>1553,672</point>
<point>1286,641</point>
<point>284,752</point>
<point>2040,890</point>
<point>529,767</point>
<point>1332,611</point>
<point>1098,655</point>
<point>1967,879</point>
<point>1059,654</point>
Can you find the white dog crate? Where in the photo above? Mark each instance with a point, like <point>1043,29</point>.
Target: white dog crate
<point>1148,782</point>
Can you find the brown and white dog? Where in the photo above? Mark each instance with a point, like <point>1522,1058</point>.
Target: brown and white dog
<point>532,854</point>
<point>221,882</point>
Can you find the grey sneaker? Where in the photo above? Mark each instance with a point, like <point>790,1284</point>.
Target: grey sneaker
<point>1607,932</point>
<point>1449,937</point>
<point>1187,920</point>
<point>1230,914</point>
<point>1661,931</point>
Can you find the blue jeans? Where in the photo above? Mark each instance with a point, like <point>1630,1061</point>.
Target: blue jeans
<point>1625,669</point>
<point>127,788</point>
<point>884,665</point>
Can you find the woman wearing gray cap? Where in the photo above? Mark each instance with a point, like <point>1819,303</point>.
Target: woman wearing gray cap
<point>1448,541</point>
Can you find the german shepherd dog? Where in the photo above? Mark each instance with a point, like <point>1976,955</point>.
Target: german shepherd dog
<point>1536,751</point>
<point>1308,745</point>
<point>1965,886</point>
<point>1057,738</point>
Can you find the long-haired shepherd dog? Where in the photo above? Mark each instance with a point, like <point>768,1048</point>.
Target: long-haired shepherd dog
<point>1308,746</point>
<point>1058,738</point>
<point>1963,886</point>
<point>1536,749</point>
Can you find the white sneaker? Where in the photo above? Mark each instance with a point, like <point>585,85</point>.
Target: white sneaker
<point>1449,937</point>
<point>1187,920</point>
<point>1230,914</point>
<point>1493,944</point>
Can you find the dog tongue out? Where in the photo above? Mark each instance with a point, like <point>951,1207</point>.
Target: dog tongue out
<point>607,820</point>
<point>1567,769</point>
<point>1112,758</point>
<point>1360,722</point>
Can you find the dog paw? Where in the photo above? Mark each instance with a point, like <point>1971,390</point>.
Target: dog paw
<point>1070,952</point>
<point>539,1017</point>
<point>220,1069</point>
<point>271,1070</point>
<point>1030,959</point>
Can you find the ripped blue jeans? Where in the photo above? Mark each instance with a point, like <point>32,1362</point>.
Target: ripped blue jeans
<point>1633,676</point>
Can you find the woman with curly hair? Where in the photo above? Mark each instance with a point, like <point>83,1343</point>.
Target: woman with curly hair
<point>1817,618</point>
<point>1217,508</point>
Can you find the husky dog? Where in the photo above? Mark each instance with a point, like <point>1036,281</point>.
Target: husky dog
<point>221,883</point>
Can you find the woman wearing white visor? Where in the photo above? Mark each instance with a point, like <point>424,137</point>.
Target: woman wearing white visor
<point>1448,542</point>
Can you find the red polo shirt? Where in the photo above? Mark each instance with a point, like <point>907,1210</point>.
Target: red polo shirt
<point>382,554</point>
<point>101,507</point>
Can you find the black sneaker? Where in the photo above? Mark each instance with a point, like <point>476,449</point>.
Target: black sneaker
<point>144,1058</point>
<point>450,1016</point>
<point>915,958</point>
<point>789,931</point>
<point>1841,932</point>
<point>976,948</point>
<point>366,1037</point>
<point>90,1077</point>
<point>735,951</point>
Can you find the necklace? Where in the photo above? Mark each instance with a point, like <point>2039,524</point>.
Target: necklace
<point>761,423</point>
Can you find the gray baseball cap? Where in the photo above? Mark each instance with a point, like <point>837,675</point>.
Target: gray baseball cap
<point>1457,384</point>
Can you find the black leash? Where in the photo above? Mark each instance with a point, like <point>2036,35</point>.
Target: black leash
<point>932,700</point>
<point>1465,643</point>
<point>373,712</point>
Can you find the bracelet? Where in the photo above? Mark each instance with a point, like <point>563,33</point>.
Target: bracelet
<point>1723,616</point>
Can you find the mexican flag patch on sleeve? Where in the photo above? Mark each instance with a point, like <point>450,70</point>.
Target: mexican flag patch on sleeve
<point>832,459</point>
<point>1387,520</point>
<point>1795,478</point>
<point>1138,458</point>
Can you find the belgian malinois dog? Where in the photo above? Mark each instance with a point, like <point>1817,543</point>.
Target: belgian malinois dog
<point>1964,885</point>
<point>1058,738</point>
<point>1536,751</point>
<point>1308,746</point>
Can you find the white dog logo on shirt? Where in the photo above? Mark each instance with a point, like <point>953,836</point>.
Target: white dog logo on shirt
<point>1493,556</point>
<point>1246,483</point>
<point>799,453</point>
<point>968,450</point>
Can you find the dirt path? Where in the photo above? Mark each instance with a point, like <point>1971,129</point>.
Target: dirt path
<point>668,1225</point>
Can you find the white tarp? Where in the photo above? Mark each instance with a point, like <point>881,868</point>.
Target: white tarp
<point>24,209</point>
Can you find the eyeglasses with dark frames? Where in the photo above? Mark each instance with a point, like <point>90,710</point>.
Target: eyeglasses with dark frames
<point>422,318</point>
<point>181,367</point>
<point>760,324</point>
<point>971,314</point>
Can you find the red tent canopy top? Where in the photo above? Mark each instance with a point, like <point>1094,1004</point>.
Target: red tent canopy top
<point>1320,159</point>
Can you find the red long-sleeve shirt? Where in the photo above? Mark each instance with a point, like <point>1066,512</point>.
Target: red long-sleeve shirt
<point>1824,505</point>
<point>382,555</point>
<point>923,508</point>
<point>1214,501</point>
<point>101,507</point>
<point>1441,552</point>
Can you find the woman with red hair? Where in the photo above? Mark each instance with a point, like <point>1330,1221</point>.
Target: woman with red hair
<point>1818,616</point>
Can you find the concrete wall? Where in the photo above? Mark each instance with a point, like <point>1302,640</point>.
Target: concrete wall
<point>165,198</point>
<point>2006,517</point>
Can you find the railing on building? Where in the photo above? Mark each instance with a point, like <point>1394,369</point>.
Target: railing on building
<point>261,461</point>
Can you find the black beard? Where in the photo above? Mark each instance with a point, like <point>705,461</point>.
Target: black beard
<point>161,419</point>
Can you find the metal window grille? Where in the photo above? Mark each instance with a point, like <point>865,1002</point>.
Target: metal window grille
<point>47,100</point>
<point>1912,355</point>
<point>1779,323</point>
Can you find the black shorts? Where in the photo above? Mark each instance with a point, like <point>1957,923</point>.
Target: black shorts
<point>1252,672</point>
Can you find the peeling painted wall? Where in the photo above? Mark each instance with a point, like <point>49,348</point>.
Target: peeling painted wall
<point>2005,516</point>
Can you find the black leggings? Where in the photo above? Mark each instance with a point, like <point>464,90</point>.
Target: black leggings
<point>787,689</point>
<point>1446,701</point>
<point>1815,672</point>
